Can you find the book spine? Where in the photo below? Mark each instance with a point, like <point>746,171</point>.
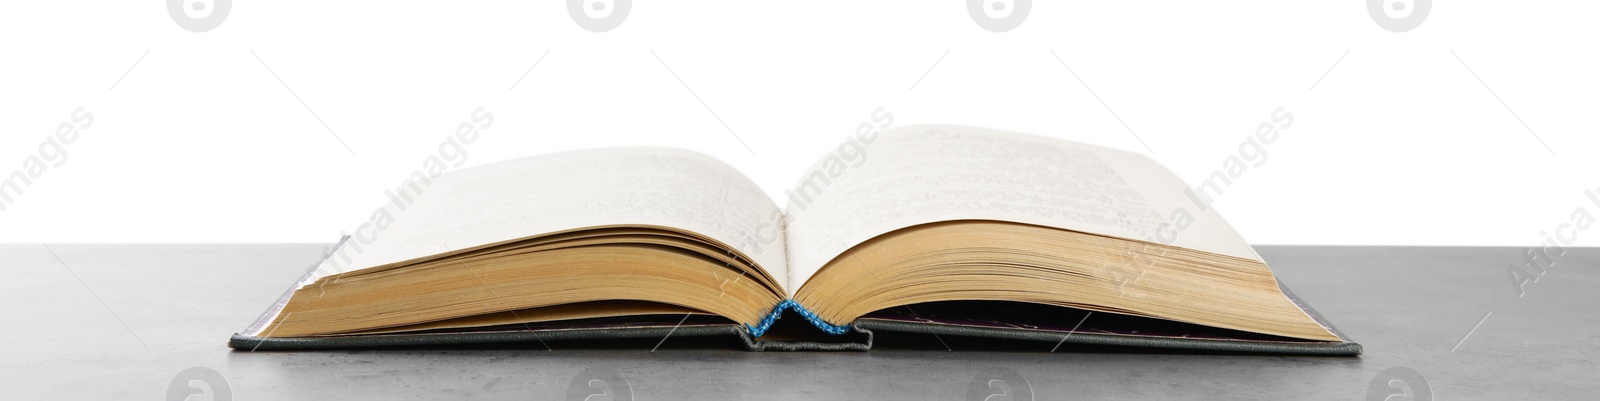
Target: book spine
<point>789,304</point>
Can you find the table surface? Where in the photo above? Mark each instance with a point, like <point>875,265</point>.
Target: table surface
<point>122,322</point>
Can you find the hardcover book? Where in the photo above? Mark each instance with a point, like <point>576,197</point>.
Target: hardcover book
<point>945,230</point>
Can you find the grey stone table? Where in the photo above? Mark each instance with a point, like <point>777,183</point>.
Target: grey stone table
<point>97,322</point>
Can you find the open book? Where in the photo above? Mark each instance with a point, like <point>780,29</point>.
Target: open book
<point>946,230</point>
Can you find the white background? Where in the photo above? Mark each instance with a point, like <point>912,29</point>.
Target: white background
<point>195,140</point>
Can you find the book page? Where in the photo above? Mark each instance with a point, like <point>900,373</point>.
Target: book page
<point>549,193</point>
<point>921,174</point>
